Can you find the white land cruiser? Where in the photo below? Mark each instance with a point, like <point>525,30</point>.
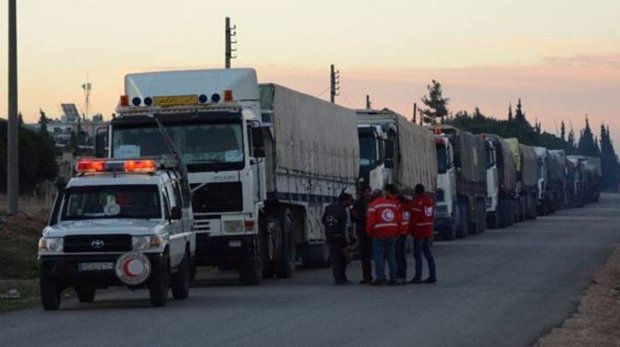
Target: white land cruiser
<point>119,222</point>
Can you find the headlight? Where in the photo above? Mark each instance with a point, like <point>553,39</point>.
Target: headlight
<point>233,226</point>
<point>144,243</point>
<point>51,244</point>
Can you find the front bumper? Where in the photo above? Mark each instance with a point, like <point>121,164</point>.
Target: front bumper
<point>230,250</point>
<point>65,268</point>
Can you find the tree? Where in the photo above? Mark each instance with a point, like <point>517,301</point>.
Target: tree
<point>519,114</point>
<point>587,145</point>
<point>571,137</point>
<point>563,131</point>
<point>510,111</point>
<point>609,163</point>
<point>435,102</point>
<point>43,120</point>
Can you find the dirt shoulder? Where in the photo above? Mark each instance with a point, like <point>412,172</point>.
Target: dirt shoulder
<point>597,320</point>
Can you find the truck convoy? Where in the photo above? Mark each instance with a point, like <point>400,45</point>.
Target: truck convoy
<point>396,151</point>
<point>263,162</point>
<point>461,183</point>
<point>119,222</point>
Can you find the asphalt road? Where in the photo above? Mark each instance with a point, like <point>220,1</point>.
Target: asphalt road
<point>506,287</point>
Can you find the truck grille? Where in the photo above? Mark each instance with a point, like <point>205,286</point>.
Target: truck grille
<point>218,197</point>
<point>97,243</point>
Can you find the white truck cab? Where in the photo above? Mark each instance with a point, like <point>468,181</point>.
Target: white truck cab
<point>492,183</point>
<point>119,222</point>
<point>447,211</point>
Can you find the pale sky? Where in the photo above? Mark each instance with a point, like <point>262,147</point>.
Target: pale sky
<point>561,57</point>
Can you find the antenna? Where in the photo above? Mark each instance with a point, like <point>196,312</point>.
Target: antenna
<point>87,88</point>
<point>334,83</point>
<point>368,103</point>
<point>230,32</point>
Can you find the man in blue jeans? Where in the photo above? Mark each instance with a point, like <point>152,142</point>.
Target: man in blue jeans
<point>422,216</point>
<point>382,225</point>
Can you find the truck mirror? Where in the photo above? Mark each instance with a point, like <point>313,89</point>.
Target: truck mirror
<point>258,142</point>
<point>176,213</point>
<point>101,142</point>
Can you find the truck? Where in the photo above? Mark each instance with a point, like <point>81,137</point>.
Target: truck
<point>461,183</point>
<point>585,175</point>
<point>502,189</point>
<point>119,223</point>
<point>543,199</point>
<point>395,151</point>
<point>556,174</point>
<point>527,179</point>
<point>263,162</point>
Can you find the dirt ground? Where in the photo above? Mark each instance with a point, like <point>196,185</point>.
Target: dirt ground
<point>597,320</point>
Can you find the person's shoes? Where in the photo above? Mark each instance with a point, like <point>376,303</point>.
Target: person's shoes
<point>343,282</point>
<point>430,280</point>
<point>377,283</point>
<point>392,282</point>
<point>366,281</point>
<point>401,281</point>
<point>415,281</point>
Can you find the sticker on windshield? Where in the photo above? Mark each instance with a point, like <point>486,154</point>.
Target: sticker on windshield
<point>127,151</point>
<point>111,208</point>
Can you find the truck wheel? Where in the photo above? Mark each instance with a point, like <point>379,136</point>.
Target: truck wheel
<point>158,285</point>
<point>85,294</point>
<point>493,220</point>
<point>180,280</point>
<point>50,293</point>
<point>315,255</point>
<point>251,271</point>
<point>449,232</point>
<point>271,240</point>
<point>285,265</point>
<point>463,229</point>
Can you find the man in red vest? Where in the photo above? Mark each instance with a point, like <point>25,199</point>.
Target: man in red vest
<point>422,215</point>
<point>382,224</point>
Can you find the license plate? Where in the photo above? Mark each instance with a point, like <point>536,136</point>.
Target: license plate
<point>95,266</point>
<point>234,243</point>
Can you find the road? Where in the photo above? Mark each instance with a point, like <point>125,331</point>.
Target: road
<point>503,288</point>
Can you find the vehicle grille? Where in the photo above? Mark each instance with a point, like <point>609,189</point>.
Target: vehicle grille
<point>218,197</point>
<point>97,243</point>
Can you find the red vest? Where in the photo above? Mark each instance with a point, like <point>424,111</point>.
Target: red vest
<point>405,220</point>
<point>422,216</point>
<point>383,218</point>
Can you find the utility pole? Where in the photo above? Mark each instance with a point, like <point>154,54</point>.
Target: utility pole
<point>230,33</point>
<point>13,123</point>
<point>368,103</point>
<point>415,112</point>
<point>334,84</point>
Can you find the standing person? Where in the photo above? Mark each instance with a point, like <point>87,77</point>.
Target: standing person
<point>423,212</point>
<point>382,224</point>
<point>336,220</point>
<point>365,242</point>
<point>401,241</point>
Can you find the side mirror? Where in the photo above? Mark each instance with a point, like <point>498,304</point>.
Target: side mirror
<point>101,142</point>
<point>176,213</point>
<point>258,142</point>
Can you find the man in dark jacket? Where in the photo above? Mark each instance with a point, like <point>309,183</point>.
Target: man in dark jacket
<point>336,221</point>
<point>365,242</point>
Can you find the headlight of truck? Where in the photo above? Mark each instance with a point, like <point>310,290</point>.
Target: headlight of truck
<point>233,226</point>
<point>51,244</point>
<point>144,243</point>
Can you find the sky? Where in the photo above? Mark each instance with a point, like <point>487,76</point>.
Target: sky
<point>561,57</point>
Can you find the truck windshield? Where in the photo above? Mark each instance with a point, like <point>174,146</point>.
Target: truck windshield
<point>442,159</point>
<point>202,146</point>
<point>118,201</point>
<point>368,150</point>
<point>490,158</point>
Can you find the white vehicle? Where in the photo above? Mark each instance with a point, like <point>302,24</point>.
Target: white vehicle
<point>492,183</point>
<point>119,222</point>
<point>395,151</point>
<point>543,201</point>
<point>263,162</point>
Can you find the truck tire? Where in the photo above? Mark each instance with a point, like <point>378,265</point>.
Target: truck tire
<point>179,282</point>
<point>271,239</point>
<point>449,232</point>
<point>285,264</point>
<point>251,272</point>
<point>493,220</point>
<point>463,229</point>
<point>85,294</point>
<point>315,255</point>
<point>158,284</point>
<point>50,293</point>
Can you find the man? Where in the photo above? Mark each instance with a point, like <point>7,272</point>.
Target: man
<point>336,220</point>
<point>401,241</point>
<point>364,241</point>
<point>422,214</point>
<point>382,224</point>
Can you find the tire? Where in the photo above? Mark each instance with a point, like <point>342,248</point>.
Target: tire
<point>271,239</point>
<point>315,255</point>
<point>50,293</point>
<point>251,272</point>
<point>493,220</point>
<point>180,280</point>
<point>85,294</point>
<point>285,264</point>
<point>463,231</point>
<point>158,285</point>
<point>449,233</point>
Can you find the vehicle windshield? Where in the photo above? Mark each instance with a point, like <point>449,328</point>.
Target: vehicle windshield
<point>199,144</point>
<point>442,159</point>
<point>489,157</point>
<point>118,201</point>
<point>368,150</point>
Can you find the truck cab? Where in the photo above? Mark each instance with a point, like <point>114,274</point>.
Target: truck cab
<point>447,214</point>
<point>119,223</point>
<point>376,155</point>
<point>492,198</point>
<point>543,198</point>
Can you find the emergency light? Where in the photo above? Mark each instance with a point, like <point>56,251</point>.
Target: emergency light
<point>85,166</point>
